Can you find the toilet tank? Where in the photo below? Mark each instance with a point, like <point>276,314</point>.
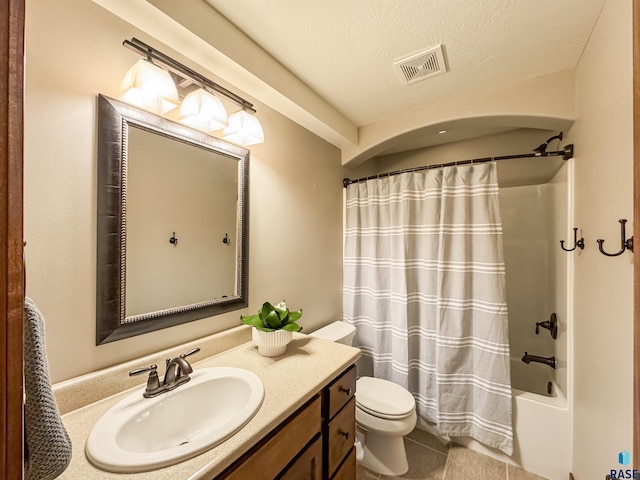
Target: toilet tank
<point>340,332</point>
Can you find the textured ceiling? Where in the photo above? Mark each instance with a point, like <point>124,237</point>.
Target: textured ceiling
<point>345,49</point>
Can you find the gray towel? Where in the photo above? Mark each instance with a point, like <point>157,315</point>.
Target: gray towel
<point>48,446</point>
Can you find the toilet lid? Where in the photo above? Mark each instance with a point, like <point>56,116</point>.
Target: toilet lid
<point>382,398</point>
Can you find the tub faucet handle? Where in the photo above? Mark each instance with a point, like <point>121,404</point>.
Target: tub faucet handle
<point>551,325</point>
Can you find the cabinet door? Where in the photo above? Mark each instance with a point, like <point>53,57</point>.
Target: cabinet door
<point>307,466</point>
<point>347,471</point>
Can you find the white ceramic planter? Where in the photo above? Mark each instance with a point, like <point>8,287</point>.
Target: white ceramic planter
<point>271,344</point>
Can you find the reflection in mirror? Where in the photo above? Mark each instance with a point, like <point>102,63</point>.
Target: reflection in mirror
<point>185,193</point>
<point>172,223</point>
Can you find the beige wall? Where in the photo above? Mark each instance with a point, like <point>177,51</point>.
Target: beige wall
<point>603,361</point>
<point>74,52</point>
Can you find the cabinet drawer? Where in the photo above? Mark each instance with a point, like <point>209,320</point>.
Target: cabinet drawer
<point>341,391</point>
<point>267,460</point>
<point>341,435</point>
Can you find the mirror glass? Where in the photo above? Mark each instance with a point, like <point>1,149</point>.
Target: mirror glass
<point>172,223</point>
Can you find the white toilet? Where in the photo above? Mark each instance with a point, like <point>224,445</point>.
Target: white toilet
<point>385,413</point>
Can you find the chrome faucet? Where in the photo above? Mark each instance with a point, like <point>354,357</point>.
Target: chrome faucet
<point>177,373</point>
<point>551,361</point>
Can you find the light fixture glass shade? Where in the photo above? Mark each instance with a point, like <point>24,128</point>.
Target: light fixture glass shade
<point>243,129</point>
<point>148,86</point>
<point>204,111</point>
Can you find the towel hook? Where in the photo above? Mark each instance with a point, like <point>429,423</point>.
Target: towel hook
<point>625,244</point>
<point>173,240</point>
<point>576,243</point>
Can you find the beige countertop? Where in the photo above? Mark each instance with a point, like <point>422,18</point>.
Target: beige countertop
<point>289,380</point>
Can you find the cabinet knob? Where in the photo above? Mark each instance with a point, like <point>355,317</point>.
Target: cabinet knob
<point>344,434</point>
<point>347,391</point>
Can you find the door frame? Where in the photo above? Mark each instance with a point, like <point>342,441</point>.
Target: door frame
<point>636,224</point>
<point>11,246</point>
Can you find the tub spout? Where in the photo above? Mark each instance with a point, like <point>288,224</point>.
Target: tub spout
<point>551,361</point>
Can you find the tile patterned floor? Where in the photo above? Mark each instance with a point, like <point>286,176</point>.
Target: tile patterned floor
<point>429,459</point>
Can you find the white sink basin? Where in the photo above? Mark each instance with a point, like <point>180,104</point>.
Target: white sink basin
<point>139,434</point>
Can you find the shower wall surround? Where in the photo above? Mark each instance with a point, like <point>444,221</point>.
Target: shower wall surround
<point>534,219</point>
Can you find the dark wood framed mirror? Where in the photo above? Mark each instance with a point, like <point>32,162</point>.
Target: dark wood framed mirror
<point>172,241</point>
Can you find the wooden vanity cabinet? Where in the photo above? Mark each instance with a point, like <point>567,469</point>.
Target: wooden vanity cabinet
<point>315,443</point>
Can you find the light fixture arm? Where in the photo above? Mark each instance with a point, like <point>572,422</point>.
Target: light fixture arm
<point>185,72</point>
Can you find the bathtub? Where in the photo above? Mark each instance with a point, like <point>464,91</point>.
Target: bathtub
<point>541,424</point>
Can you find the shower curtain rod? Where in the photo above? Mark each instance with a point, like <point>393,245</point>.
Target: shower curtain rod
<point>566,153</point>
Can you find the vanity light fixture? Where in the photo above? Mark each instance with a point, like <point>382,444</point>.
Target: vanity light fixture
<point>244,129</point>
<point>149,87</point>
<point>200,108</point>
<point>203,110</point>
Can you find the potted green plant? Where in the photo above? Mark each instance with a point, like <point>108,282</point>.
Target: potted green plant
<point>273,328</point>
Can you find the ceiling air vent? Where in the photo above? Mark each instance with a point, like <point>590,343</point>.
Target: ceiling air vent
<point>422,65</point>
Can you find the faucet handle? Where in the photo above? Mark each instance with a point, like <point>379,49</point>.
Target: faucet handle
<point>186,368</point>
<point>551,325</point>
<point>140,371</point>
<point>178,370</point>
<point>153,382</point>
<point>190,352</point>
<point>184,355</point>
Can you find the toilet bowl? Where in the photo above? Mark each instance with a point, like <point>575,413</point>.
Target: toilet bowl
<point>385,413</point>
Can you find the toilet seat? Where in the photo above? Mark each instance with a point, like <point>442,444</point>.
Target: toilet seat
<point>397,427</point>
<point>383,399</point>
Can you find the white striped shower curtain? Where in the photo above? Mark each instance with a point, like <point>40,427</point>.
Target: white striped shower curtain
<point>424,284</point>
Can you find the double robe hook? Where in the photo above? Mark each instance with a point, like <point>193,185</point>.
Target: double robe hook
<point>576,243</point>
<point>626,244</point>
<point>174,240</point>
